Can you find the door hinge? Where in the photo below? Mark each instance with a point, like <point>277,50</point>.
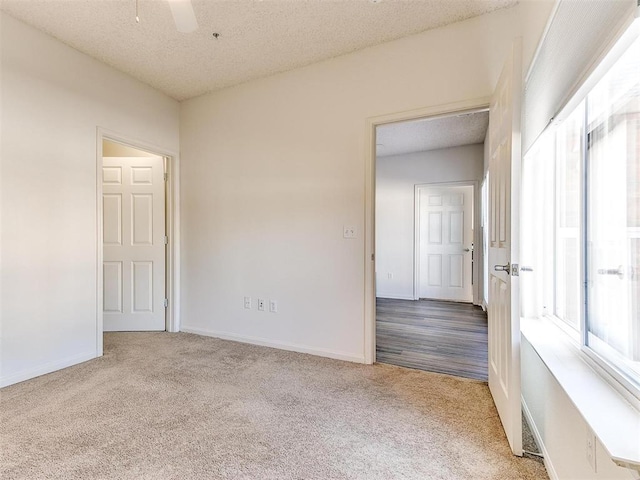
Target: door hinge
<point>166,240</point>
<point>166,302</point>
<point>166,177</point>
<point>373,257</point>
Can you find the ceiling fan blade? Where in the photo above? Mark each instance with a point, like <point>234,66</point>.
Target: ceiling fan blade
<point>183,15</point>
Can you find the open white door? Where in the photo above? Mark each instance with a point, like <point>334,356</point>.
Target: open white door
<point>133,243</point>
<point>504,211</point>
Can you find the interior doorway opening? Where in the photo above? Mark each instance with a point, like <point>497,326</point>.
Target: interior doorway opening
<point>137,237</point>
<point>428,243</point>
<point>444,242</point>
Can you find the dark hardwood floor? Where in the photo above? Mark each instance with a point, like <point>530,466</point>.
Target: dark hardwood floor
<point>432,335</point>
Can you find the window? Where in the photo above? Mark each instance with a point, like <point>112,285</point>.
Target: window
<point>568,159</point>
<point>613,214</point>
<point>581,222</point>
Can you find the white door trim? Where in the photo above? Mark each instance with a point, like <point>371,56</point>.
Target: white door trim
<point>477,261</point>
<point>172,212</point>
<point>467,106</point>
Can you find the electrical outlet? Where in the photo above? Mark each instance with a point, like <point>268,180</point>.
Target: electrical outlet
<point>247,303</point>
<point>273,306</point>
<point>261,304</point>
<point>591,449</point>
<point>349,232</point>
<point>390,276</point>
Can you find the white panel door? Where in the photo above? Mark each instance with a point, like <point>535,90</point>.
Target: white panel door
<point>133,243</point>
<point>504,194</point>
<point>446,241</point>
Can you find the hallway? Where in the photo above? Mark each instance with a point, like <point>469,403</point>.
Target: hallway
<point>437,336</point>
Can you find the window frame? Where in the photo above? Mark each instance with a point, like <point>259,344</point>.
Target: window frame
<point>624,382</point>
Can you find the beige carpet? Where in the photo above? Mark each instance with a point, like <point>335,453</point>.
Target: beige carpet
<point>180,406</point>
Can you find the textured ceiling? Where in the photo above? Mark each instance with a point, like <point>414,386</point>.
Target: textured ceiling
<point>257,38</point>
<point>423,135</point>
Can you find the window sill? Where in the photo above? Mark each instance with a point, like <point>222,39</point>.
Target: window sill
<point>614,420</point>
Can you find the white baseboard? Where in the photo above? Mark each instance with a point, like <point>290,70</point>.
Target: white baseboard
<point>46,368</point>
<point>395,297</point>
<point>280,345</point>
<point>536,434</point>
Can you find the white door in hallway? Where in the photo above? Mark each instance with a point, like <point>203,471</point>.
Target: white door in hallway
<point>504,212</point>
<point>445,242</point>
<point>133,203</point>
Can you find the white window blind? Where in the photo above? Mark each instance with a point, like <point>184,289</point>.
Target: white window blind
<point>578,33</point>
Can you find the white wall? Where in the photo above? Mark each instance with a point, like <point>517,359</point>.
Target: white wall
<point>53,99</point>
<point>273,169</point>
<point>560,425</point>
<point>396,177</point>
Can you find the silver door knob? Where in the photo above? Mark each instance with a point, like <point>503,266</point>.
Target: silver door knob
<point>467,249</point>
<point>503,268</point>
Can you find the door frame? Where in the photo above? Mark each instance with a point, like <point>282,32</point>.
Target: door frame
<point>172,228</point>
<point>475,277</point>
<point>444,110</point>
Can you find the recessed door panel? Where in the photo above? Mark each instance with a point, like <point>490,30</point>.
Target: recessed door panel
<point>503,188</point>
<point>112,175</point>
<point>142,286</point>
<point>456,199</point>
<point>435,227</point>
<point>112,219</point>
<point>142,219</point>
<point>435,200</point>
<point>435,270</point>
<point>141,176</point>
<point>456,271</point>
<point>112,279</point>
<point>456,228</point>
<point>493,205</point>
